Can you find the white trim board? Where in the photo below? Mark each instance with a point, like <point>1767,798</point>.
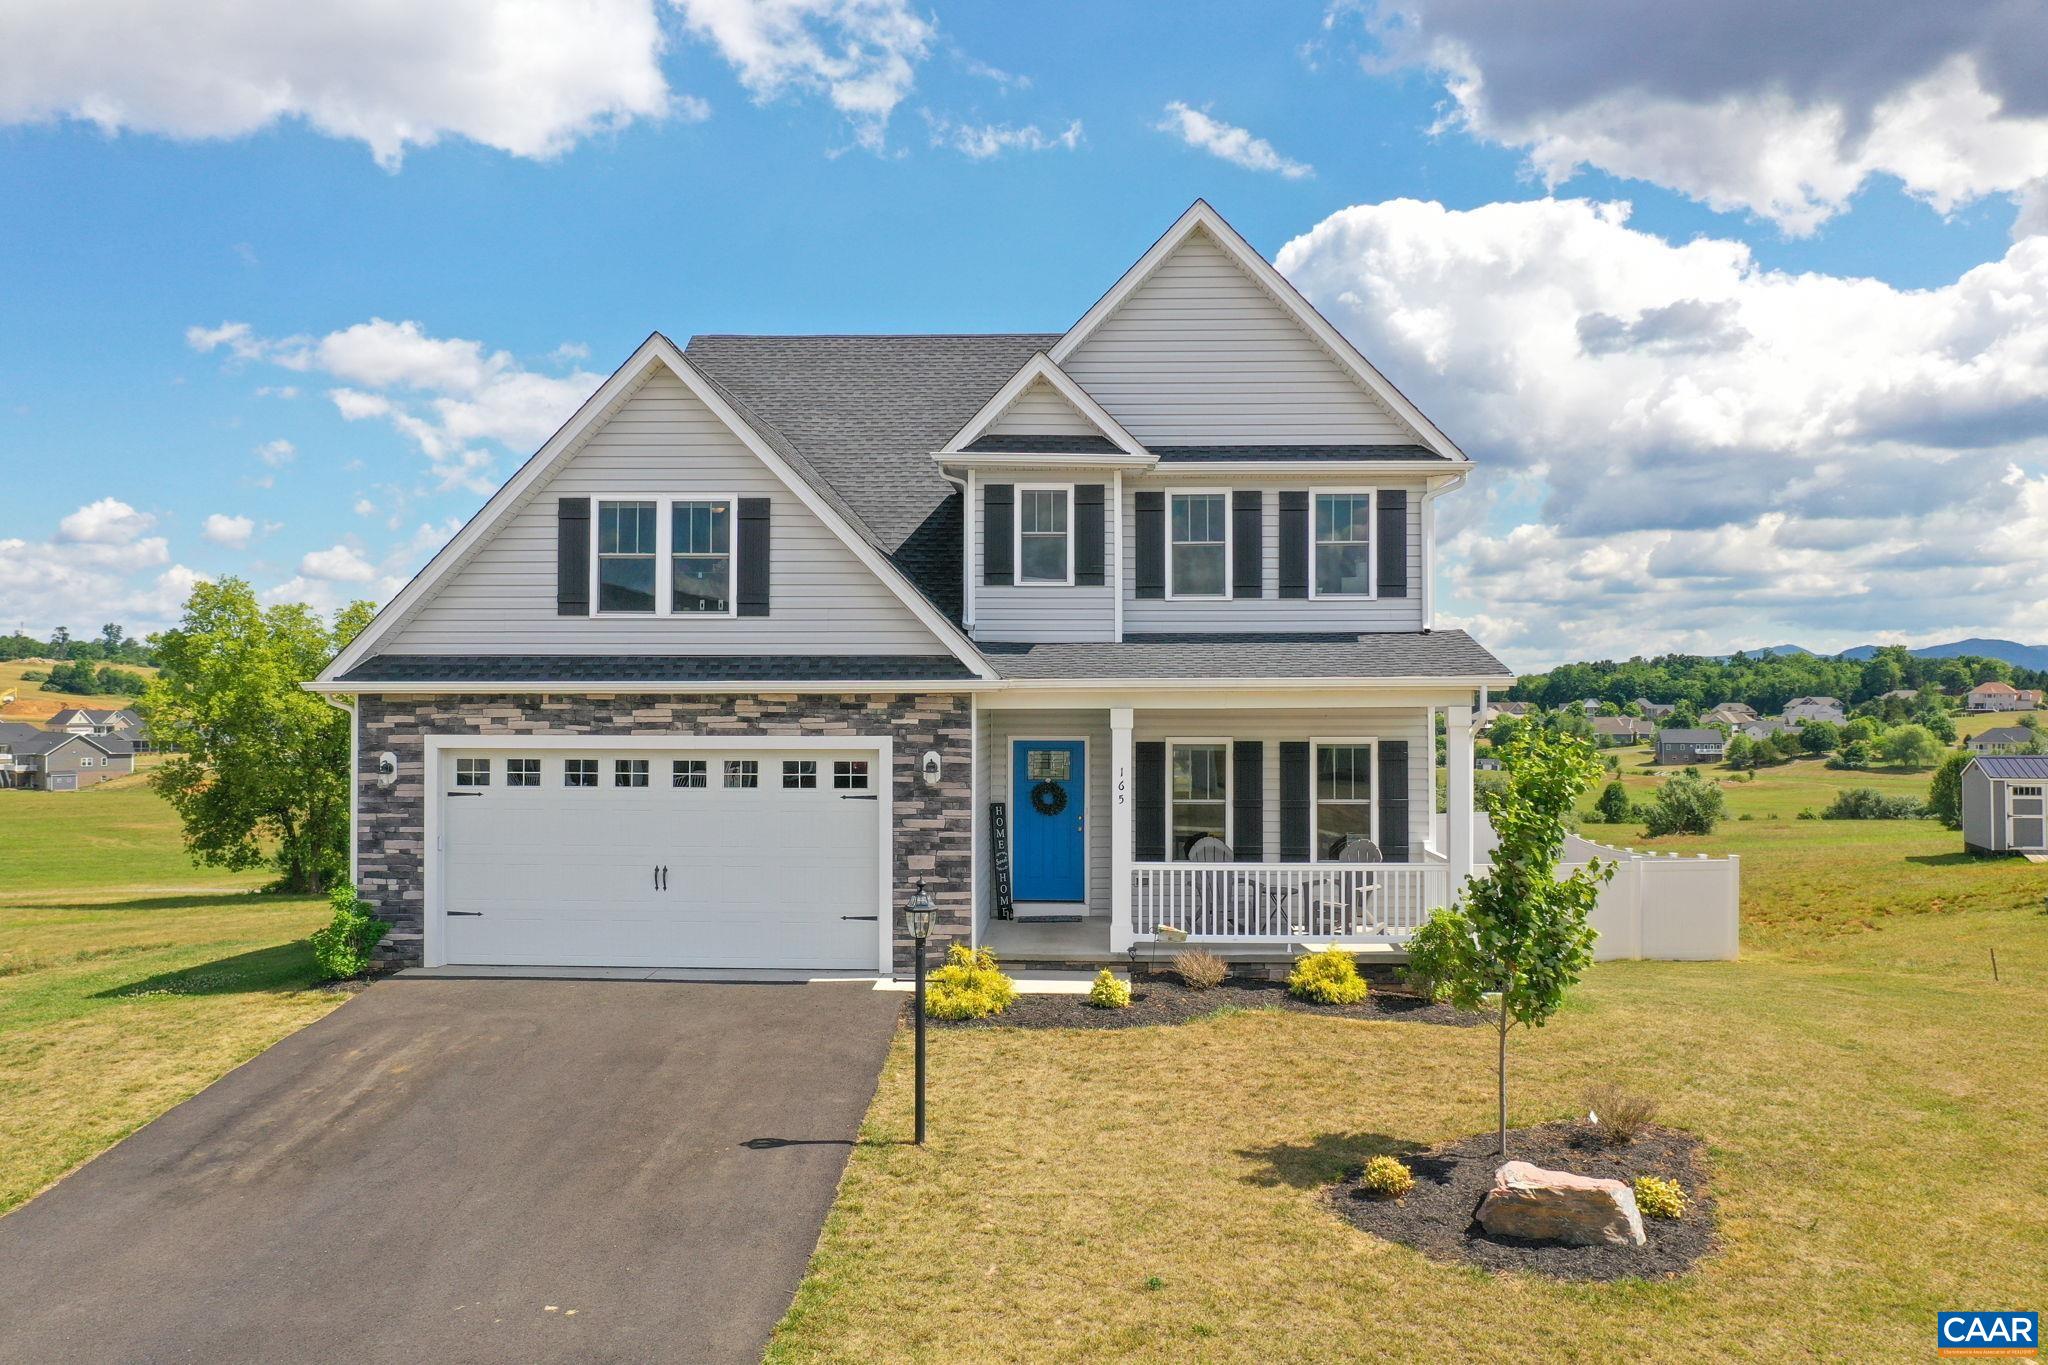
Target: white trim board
<point>1200,216</point>
<point>433,924</point>
<point>657,350</point>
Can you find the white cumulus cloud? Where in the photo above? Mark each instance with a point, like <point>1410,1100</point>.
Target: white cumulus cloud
<point>1236,145</point>
<point>530,79</point>
<point>1785,111</point>
<point>1680,447</point>
<point>234,532</point>
<point>277,453</point>
<point>862,55</point>
<point>106,522</point>
<point>337,564</point>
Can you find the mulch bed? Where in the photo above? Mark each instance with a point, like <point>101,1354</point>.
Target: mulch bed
<point>1438,1217</point>
<point>1163,1000</point>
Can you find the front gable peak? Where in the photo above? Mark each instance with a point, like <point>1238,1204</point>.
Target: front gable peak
<point>1041,411</point>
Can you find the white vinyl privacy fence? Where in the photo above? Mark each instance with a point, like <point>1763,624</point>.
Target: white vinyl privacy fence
<point>1659,905</point>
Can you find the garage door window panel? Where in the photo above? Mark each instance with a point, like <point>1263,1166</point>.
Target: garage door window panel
<point>742,773</point>
<point>522,772</point>
<point>850,774</point>
<point>799,773</point>
<point>472,772</point>
<point>579,772</point>
<point>629,772</point>
<point>689,772</point>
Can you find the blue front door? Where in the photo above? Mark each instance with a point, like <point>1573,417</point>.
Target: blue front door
<point>1048,797</point>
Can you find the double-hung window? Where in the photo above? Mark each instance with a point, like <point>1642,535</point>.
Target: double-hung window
<point>1343,796</point>
<point>626,556</point>
<point>1198,545</point>
<point>634,537</point>
<point>1343,529</point>
<point>1044,538</point>
<point>1197,793</point>
<point>700,557</point>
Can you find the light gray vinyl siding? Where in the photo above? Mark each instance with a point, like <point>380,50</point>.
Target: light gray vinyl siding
<point>662,442</point>
<point>999,731</point>
<point>1000,728</point>
<point>1041,411</point>
<point>1270,611</point>
<point>1201,354</point>
<point>1382,723</point>
<point>1040,613</point>
<point>1984,810</point>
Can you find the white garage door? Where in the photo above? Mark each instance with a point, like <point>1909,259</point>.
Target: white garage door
<point>661,858</point>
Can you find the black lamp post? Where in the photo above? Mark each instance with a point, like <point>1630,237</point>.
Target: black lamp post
<point>918,916</point>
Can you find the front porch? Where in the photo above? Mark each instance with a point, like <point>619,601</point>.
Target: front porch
<point>1114,834</point>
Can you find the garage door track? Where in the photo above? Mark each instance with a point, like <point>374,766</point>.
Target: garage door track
<point>468,1170</point>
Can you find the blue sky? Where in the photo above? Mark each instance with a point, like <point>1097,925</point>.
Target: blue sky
<point>1784,394</point>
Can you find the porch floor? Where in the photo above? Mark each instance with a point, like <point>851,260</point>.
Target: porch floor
<point>1086,943</point>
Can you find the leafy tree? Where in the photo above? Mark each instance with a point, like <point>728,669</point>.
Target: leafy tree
<point>120,682</point>
<point>1819,736</point>
<point>60,643</point>
<point>112,637</point>
<point>1687,804</point>
<point>76,678</point>
<point>1521,935</point>
<point>1938,723</point>
<point>1911,746</point>
<point>1741,752</point>
<point>1614,804</point>
<point>1856,755</point>
<point>1945,792</point>
<point>260,772</point>
<point>1861,730</point>
<point>1786,746</point>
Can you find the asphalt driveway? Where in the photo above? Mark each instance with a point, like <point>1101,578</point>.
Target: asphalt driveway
<point>468,1170</point>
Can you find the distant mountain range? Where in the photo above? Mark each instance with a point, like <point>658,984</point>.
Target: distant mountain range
<point>2011,651</point>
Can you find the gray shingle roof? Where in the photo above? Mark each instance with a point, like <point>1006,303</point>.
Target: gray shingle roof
<point>581,669</point>
<point>1690,737</point>
<point>1441,653</point>
<point>2006,734</point>
<point>1215,454</point>
<point>1036,445</point>
<point>43,741</point>
<point>2013,765</point>
<point>865,413</point>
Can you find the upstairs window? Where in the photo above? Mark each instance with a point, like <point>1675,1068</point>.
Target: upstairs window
<point>1344,545</point>
<point>700,557</point>
<point>1198,545</point>
<point>626,556</point>
<point>1044,547</point>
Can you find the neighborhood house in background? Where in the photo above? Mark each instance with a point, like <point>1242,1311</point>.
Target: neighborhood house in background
<point>35,759</point>
<point>1690,746</point>
<point>2001,696</point>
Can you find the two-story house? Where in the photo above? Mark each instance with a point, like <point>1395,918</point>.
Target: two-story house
<point>1800,710</point>
<point>1103,637</point>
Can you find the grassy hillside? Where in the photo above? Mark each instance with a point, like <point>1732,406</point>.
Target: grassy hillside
<point>34,706</point>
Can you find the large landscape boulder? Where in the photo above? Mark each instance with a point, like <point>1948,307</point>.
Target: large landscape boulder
<point>1536,1205</point>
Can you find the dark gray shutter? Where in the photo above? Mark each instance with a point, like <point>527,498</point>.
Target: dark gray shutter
<point>1393,534</point>
<point>1248,800</point>
<point>754,555</point>
<point>1151,518</point>
<point>1390,789</point>
<point>1247,544</point>
<point>998,508</point>
<point>1088,532</point>
<point>1294,544</point>
<point>572,557</point>
<point>1148,803</point>
<point>1296,809</point>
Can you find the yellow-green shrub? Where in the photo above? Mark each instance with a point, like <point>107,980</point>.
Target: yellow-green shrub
<point>969,986</point>
<point>1326,978</point>
<point>1660,1198</point>
<point>1387,1177</point>
<point>1108,993</point>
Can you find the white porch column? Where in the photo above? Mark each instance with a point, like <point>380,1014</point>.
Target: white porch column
<point>1120,832</point>
<point>1458,794</point>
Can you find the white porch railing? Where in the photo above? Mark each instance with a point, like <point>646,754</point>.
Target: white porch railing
<point>1231,902</point>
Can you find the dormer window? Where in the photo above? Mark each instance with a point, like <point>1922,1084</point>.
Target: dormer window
<point>1044,535</point>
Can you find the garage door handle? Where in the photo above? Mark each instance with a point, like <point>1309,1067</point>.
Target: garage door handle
<point>869,797</point>
<point>473,914</point>
<point>465,793</point>
<point>860,917</point>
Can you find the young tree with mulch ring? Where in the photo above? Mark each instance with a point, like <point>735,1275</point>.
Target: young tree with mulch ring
<point>1521,934</point>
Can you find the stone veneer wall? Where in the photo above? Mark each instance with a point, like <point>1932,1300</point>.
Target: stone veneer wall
<point>934,825</point>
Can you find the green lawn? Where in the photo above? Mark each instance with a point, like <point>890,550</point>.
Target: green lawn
<point>1873,1101</point>
<point>129,980</point>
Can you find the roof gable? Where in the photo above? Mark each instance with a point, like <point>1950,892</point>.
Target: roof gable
<point>1203,342</point>
<point>1039,410</point>
<point>656,356</point>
